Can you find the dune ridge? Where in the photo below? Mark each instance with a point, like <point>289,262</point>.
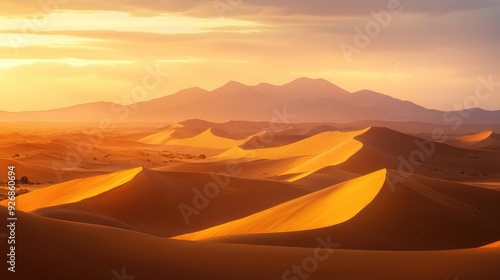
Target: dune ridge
<point>146,257</point>
<point>208,140</point>
<point>73,191</point>
<point>475,137</point>
<point>492,245</point>
<point>318,151</point>
<point>327,207</point>
<point>486,140</point>
<point>161,137</point>
<point>159,195</point>
<point>310,182</point>
<point>403,218</point>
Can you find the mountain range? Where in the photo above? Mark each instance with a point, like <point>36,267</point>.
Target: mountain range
<point>302,100</point>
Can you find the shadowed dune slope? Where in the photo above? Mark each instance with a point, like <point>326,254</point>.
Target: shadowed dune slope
<point>151,202</point>
<point>313,145</point>
<point>260,168</point>
<point>73,191</point>
<point>323,208</point>
<point>386,148</point>
<point>290,162</point>
<point>487,140</point>
<point>161,137</point>
<point>420,214</point>
<point>145,257</point>
<point>43,174</point>
<point>318,151</point>
<point>208,140</point>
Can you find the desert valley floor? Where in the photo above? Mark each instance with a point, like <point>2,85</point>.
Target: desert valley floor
<point>253,200</point>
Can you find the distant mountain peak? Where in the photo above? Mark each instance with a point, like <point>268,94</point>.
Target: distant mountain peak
<point>233,87</point>
<point>310,100</point>
<point>232,84</point>
<point>309,81</point>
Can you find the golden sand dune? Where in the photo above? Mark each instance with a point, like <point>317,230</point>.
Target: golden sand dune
<point>492,245</point>
<point>419,214</point>
<point>323,208</point>
<point>151,201</point>
<point>42,173</point>
<point>275,139</point>
<point>318,151</point>
<point>310,146</point>
<point>475,137</point>
<point>56,149</point>
<point>386,148</point>
<point>259,168</point>
<point>487,140</point>
<point>8,150</point>
<point>326,177</point>
<point>208,140</point>
<point>73,191</point>
<point>161,137</point>
<point>35,173</point>
<point>145,257</point>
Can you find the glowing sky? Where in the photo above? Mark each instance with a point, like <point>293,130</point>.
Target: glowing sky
<point>56,53</point>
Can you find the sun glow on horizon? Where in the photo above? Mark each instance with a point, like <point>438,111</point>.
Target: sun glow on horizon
<point>98,46</point>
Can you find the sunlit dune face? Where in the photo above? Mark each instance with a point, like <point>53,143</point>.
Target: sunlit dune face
<point>73,191</point>
<point>476,137</point>
<point>324,208</point>
<point>207,140</point>
<point>315,152</point>
<point>493,245</point>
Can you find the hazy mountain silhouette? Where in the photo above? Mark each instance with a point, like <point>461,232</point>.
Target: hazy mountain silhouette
<point>309,100</point>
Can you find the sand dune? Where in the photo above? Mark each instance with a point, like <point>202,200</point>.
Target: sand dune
<point>476,137</point>
<point>318,151</point>
<point>272,140</point>
<point>159,195</point>
<point>323,208</point>
<point>34,173</point>
<point>386,148</point>
<point>43,174</point>
<point>308,182</point>
<point>145,257</point>
<point>492,245</point>
<point>259,168</point>
<point>313,145</point>
<point>208,140</point>
<point>326,177</point>
<point>73,191</point>
<point>487,140</point>
<point>161,137</point>
<point>420,214</point>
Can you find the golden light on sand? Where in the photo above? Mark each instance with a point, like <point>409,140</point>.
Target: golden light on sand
<point>324,208</point>
<point>230,139</point>
<point>74,191</point>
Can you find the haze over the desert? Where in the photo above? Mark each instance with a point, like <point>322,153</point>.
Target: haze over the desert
<point>242,140</point>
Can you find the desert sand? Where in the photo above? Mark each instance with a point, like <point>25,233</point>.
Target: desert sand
<point>486,140</point>
<point>199,200</point>
<point>331,206</point>
<point>105,249</point>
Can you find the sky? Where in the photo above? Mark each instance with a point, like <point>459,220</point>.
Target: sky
<point>57,53</point>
